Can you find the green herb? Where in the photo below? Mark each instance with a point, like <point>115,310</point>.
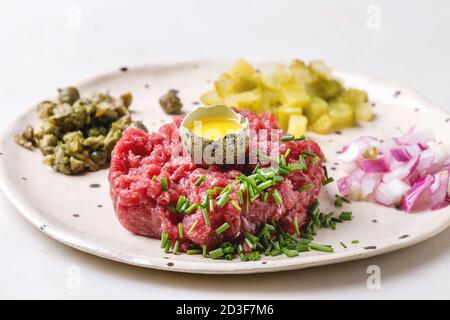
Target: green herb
<point>290,253</point>
<point>176,247</point>
<point>343,245</point>
<point>206,217</point>
<point>191,208</point>
<point>338,202</point>
<point>315,157</point>
<point>305,187</point>
<point>235,204</point>
<point>319,247</point>
<point>327,179</point>
<point>200,180</point>
<point>204,250</point>
<point>297,229</point>
<point>193,226</point>
<point>180,230</point>
<point>265,185</point>
<point>193,251</point>
<point>223,199</point>
<point>287,138</point>
<point>355,241</point>
<point>180,202</point>
<point>224,227</point>
<point>211,205</point>
<point>167,248</point>
<point>345,216</point>
<point>217,253</point>
<point>164,238</point>
<point>276,197</point>
<point>164,184</point>
<point>241,199</point>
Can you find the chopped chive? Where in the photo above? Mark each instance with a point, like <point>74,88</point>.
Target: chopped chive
<point>258,165</point>
<point>283,171</point>
<point>345,216</point>
<point>223,199</point>
<point>193,251</point>
<point>301,138</point>
<point>275,253</point>
<point>270,227</point>
<point>229,256</point>
<point>180,202</point>
<point>164,185</point>
<point>191,208</point>
<point>313,208</point>
<point>287,153</point>
<point>184,207</point>
<point>287,138</point>
<point>355,241</point>
<point>319,247</point>
<point>265,196</point>
<point>305,187</point>
<point>250,243</point>
<point>206,217</point>
<point>255,197</point>
<point>276,196</point>
<point>251,237</point>
<point>211,205</point>
<point>164,238</point>
<point>265,185</point>
<point>204,250</point>
<point>200,180</point>
<point>339,201</point>
<point>240,198</point>
<point>215,254</point>
<point>180,230</point>
<point>176,247</point>
<point>289,253</point>
<point>172,209</point>
<point>297,229</point>
<point>224,227</point>
<point>343,245</point>
<point>302,247</point>
<point>167,248</point>
<point>235,204</point>
<point>315,157</point>
<point>193,226</point>
<point>302,162</point>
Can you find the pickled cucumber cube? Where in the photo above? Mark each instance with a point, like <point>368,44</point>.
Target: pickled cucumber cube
<point>294,94</point>
<point>297,125</point>
<point>323,125</point>
<point>248,100</point>
<point>210,98</point>
<point>241,68</point>
<point>315,109</point>
<point>355,96</point>
<point>320,69</point>
<point>224,85</point>
<point>343,115</point>
<point>283,114</point>
<point>275,78</point>
<point>300,72</point>
<point>325,89</point>
<point>364,112</point>
<point>269,100</point>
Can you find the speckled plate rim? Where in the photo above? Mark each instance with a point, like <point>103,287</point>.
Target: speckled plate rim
<point>10,190</point>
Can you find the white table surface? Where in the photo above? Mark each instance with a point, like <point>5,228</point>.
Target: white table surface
<point>46,45</point>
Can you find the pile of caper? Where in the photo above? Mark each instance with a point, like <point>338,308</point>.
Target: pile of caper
<point>78,134</point>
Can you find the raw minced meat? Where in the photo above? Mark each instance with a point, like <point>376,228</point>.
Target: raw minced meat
<point>142,206</point>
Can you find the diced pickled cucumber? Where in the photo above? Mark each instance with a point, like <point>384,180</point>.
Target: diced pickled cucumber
<point>210,98</point>
<point>297,125</point>
<point>315,109</point>
<point>325,89</point>
<point>283,114</point>
<point>343,115</point>
<point>323,125</point>
<point>241,68</point>
<point>277,77</point>
<point>320,69</point>
<point>269,100</point>
<point>300,72</point>
<point>248,100</point>
<point>364,112</point>
<point>355,96</point>
<point>294,94</point>
<point>224,85</point>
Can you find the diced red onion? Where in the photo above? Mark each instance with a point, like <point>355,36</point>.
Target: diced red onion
<point>374,166</point>
<point>400,154</point>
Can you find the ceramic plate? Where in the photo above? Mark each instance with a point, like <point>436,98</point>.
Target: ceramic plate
<point>78,211</point>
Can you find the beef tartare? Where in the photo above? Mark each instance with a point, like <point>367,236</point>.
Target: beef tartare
<point>158,191</point>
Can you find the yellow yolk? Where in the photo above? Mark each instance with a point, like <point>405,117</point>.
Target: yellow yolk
<point>215,128</point>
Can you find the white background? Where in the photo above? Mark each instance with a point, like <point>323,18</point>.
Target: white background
<point>46,44</point>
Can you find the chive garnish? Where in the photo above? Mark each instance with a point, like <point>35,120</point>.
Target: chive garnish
<point>265,196</point>
<point>215,254</point>
<point>167,248</point>
<point>204,250</point>
<point>355,241</point>
<point>305,187</point>
<point>235,204</point>
<point>265,185</point>
<point>191,208</point>
<point>315,157</point>
<point>297,229</point>
<point>319,247</point>
<point>193,251</point>
<point>240,198</point>
<point>176,247</point>
<point>164,185</point>
<point>301,138</point>
<point>345,216</point>
<point>276,196</point>
<point>164,238</point>
<point>180,202</point>
<point>287,138</point>
<point>200,180</point>
<point>193,226</point>
<point>251,237</point>
<point>289,253</point>
<point>222,200</point>
<point>211,205</point>
<point>224,227</point>
<point>180,230</point>
<point>343,245</point>
<point>206,217</point>
<point>339,201</point>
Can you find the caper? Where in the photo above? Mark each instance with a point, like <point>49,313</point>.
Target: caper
<point>170,102</point>
<point>68,95</point>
